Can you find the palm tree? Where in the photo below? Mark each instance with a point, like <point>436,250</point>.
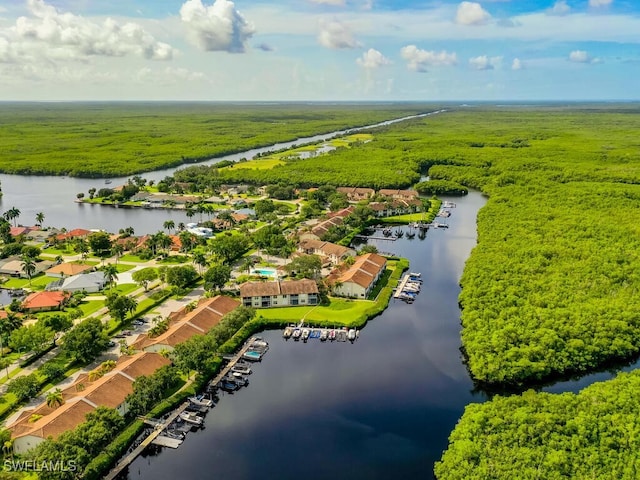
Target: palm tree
<point>181,226</point>
<point>117,250</point>
<point>55,398</point>
<point>28,266</point>
<point>169,225</point>
<point>200,259</point>
<point>82,248</point>
<point>107,366</point>
<point>7,447</point>
<point>12,214</point>
<point>247,264</point>
<point>95,374</point>
<point>80,387</point>
<point>189,212</point>
<point>110,274</point>
<point>39,218</point>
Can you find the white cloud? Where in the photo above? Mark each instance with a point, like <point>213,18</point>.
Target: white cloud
<point>418,60</point>
<point>471,13</point>
<point>559,8</point>
<point>64,36</point>
<point>217,27</point>
<point>485,63</point>
<point>372,58</point>
<point>580,56</point>
<point>516,64</point>
<point>335,35</point>
<point>600,3</point>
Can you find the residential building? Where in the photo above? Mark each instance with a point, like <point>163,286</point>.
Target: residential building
<point>279,293</point>
<point>355,194</point>
<point>329,252</point>
<point>82,397</point>
<point>85,282</point>
<point>395,207</point>
<point>358,280</point>
<point>399,194</point>
<point>14,267</point>
<point>67,270</point>
<point>44,301</point>
<point>185,324</point>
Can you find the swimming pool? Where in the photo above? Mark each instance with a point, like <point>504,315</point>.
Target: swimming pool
<point>265,272</point>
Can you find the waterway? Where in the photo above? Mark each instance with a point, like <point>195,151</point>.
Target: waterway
<point>55,196</point>
<point>380,408</point>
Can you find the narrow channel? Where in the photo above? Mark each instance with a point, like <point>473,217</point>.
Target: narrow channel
<point>55,196</point>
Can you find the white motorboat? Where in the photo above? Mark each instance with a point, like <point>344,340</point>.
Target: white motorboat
<point>191,418</point>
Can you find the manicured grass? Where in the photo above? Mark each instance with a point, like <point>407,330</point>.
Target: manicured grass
<point>132,258</point>
<point>125,288</point>
<point>175,259</point>
<point>340,312</point>
<point>124,268</point>
<point>37,283</point>
<point>90,306</point>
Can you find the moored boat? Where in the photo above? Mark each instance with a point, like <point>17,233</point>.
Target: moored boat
<point>351,335</point>
<point>252,355</point>
<point>305,333</point>
<point>241,369</point>
<point>191,418</point>
<point>201,401</point>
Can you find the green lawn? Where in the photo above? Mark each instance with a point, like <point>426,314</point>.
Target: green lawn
<point>37,283</point>
<point>125,288</point>
<point>132,258</point>
<point>89,306</point>
<point>124,268</point>
<point>341,311</point>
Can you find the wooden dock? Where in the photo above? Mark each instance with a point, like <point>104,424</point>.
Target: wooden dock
<point>392,238</point>
<point>158,427</point>
<point>401,285</point>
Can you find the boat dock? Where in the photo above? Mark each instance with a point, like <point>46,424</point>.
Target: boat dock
<point>408,287</point>
<point>156,436</point>
<point>368,237</point>
<point>158,427</point>
<point>403,283</point>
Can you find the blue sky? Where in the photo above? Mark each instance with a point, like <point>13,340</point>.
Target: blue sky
<point>319,50</point>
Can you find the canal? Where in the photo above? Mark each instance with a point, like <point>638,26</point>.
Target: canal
<point>55,196</point>
<point>382,407</point>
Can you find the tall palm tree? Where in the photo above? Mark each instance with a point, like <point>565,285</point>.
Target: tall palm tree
<point>169,225</point>
<point>55,398</point>
<point>28,266</point>
<point>117,250</point>
<point>200,259</point>
<point>39,218</point>
<point>181,226</point>
<point>12,214</point>
<point>110,274</point>
<point>189,212</point>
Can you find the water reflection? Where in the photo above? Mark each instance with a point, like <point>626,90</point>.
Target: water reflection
<point>382,407</point>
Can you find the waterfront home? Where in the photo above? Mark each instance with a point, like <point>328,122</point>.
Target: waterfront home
<point>83,396</point>
<point>358,280</point>
<point>279,293</point>
<point>398,194</point>
<point>73,234</point>
<point>13,267</point>
<point>44,301</point>
<point>67,269</point>
<point>184,324</point>
<point>342,213</point>
<point>327,251</point>
<point>85,282</point>
<point>355,194</point>
<point>395,207</point>
<point>19,230</point>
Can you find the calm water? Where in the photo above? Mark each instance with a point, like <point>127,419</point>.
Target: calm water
<point>382,407</point>
<point>54,196</point>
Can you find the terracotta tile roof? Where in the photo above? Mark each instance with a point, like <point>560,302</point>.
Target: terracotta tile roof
<point>345,212</point>
<point>144,363</point>
<point>63,418</point>
<point>326,248</point>
<point>44,300</point>
<point>259,289</point>
<point>109,390</point>
<point>78,232</point>
<point>364,270</point>
<point>69,269</point>
<point>398,193</point>
<point>15,231</point>
<point>323,227</point>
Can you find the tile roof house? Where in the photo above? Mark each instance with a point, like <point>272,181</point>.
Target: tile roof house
<point>330,251</point>
<point>279,293</point>
<point>355,194</point>
<point>396,207</point>
<point>67,269</point>
<point>75,233</point>
<point>399,194</point>
<point>109,390</point>
<point>183,325</point>
<point>358,281</point>
<point>44,301</point>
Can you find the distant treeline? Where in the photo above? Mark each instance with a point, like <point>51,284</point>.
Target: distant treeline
<point>117,139</point>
